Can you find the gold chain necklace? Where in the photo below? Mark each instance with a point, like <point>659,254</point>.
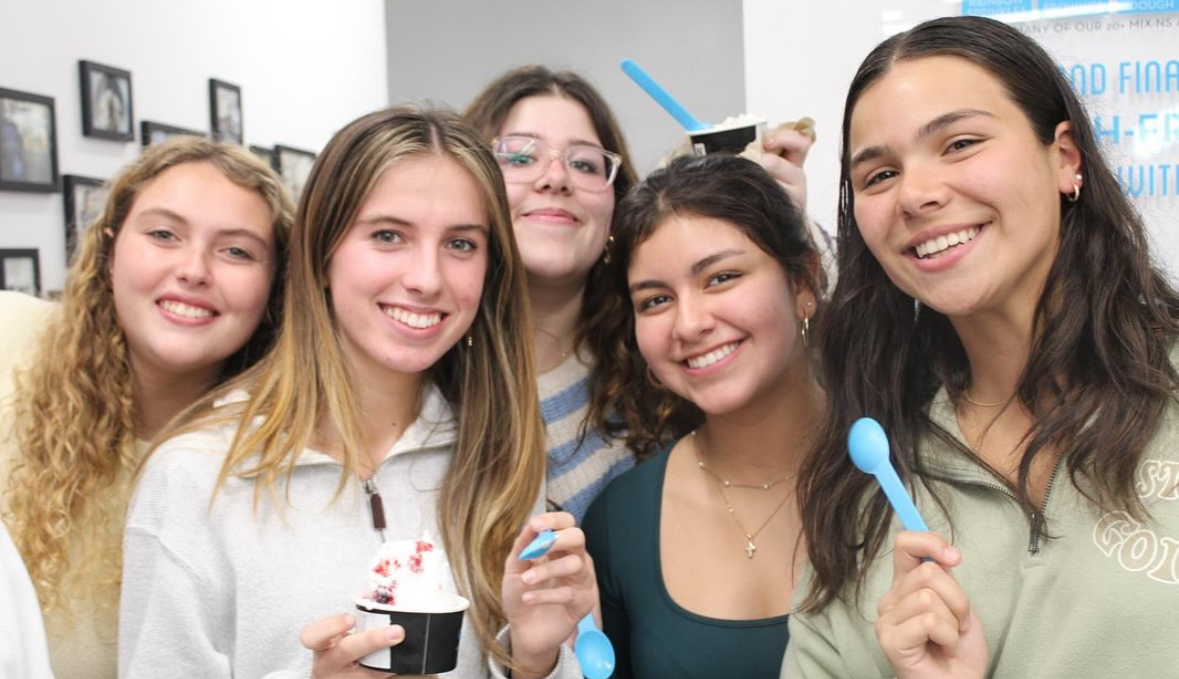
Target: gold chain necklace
<point>981,404</point>
<point>750,546</point>
<point>557,341</point>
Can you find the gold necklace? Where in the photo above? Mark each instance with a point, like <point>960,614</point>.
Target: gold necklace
<point>750,546</point>
<point>557,340</point>
<point>984,405</point>
<point>729,484</point>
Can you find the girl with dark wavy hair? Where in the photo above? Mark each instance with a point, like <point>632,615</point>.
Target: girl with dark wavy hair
<point>999,312</point>
<point>696,549</point>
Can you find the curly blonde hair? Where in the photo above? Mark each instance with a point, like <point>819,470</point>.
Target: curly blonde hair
<point>74,412</point>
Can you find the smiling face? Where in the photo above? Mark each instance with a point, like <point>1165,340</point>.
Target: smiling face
<point>191,270</point>
<point>954,194</point>
<point>716,317</point>
<point>561,229</point>
<point>406,279</point>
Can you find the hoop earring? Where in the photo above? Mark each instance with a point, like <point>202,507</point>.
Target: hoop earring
<point>806,328</point>
<point>653,379</point>
<point>916,310</point>
<point>1076,190</point>
<point>606,250</point>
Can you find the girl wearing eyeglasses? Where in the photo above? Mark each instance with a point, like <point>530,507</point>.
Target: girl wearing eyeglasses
<point>565,165</point>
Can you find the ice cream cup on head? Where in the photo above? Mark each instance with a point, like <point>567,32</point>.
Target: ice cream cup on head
<point>410,585</point>
<point>730,136</point>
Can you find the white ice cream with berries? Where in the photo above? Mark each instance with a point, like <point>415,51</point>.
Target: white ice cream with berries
<point>411,575</point>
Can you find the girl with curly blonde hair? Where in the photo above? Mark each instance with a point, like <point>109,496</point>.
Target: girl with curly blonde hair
<point>171,292</point>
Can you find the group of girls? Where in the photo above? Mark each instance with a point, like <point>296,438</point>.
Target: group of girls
<point>996,309</point>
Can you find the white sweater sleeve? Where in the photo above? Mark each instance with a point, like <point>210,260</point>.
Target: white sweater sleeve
<point>175,615</point>
<point>567,667</point>
<point>23,652</point>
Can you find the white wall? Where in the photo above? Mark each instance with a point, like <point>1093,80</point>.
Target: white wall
<point>448,50</point>
<point>800,59</point>
<point>306,67</point>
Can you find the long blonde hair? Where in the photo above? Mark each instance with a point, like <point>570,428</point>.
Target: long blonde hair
<point>74,412</point>
<point>303,388</point>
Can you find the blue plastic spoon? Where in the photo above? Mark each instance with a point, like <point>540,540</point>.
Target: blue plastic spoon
<point>868,446</point>
<point>662,97</point>
<point>592,647</point>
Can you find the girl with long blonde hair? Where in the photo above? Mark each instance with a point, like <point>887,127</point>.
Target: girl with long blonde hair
<point>402,371</point>
<point>170,293</point>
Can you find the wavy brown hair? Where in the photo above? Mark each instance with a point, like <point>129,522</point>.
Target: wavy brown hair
<point>487,112</point>
<point>1098,376</point>
<point>74,412</point>
<point>302,389</point>
<point>725,187</point>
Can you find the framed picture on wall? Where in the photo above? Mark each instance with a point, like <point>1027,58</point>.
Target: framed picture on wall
<point>267,155</point>
<point>107,112</point>
<point>20,270</point>
<point>152,132</point>
<point>84,198</point>
<point>225,111</point>
<point>294,165</point>
<point>28,142</point>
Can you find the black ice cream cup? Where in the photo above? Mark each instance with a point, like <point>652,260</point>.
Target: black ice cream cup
<point>431,638</point>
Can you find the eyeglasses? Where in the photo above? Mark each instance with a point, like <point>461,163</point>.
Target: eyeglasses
<point>524,160</point>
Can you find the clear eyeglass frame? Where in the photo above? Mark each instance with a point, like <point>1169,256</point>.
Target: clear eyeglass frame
<point>510,147</point>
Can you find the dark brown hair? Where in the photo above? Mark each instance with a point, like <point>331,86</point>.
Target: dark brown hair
<point>724,187</point>
<point>487,114</point>
<point>1098,377</point>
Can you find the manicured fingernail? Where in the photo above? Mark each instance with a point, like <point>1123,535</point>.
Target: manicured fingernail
<point>529,577</point>
<point>528,597</point>
<point>951,553</point>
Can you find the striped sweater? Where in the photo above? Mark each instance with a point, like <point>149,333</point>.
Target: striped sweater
<point>578,469</point>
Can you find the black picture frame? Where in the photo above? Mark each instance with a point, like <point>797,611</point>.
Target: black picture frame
<point>83,198</point>
<point>20,270</point>
<point>293,165</point>
<point>151,132</point>
<point>266,154</point>
<point>225,111</point>
<point>108,111</point>
<point>28,142</point>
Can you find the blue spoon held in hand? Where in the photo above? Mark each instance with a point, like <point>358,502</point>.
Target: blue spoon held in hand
<point>868,446</point>
<point>592,647</point>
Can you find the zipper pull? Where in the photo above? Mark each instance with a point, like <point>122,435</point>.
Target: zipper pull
<point>376,506</point>
<point>1034,538</point>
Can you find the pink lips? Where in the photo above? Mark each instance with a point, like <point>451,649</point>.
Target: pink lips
<point>714,367</point>
<point>947,258</point>
<point>552,214</point>
<point>180,319</point>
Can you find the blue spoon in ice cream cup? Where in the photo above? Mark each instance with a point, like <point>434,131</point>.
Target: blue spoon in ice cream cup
<point>868,446</point>
<point>592,647</point>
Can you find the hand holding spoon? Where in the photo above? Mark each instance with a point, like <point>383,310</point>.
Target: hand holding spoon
<point>592,647</point>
